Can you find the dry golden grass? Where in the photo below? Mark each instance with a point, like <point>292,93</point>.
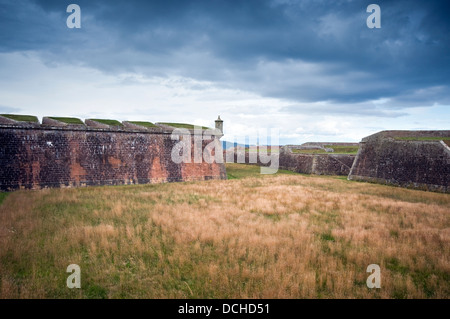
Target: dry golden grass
<point>283,236</point>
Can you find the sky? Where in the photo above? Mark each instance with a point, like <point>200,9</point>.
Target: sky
<point>310,70</point>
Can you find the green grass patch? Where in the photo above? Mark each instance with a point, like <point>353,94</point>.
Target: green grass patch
<point>21,118</point>
<point>338,149</point>
<point>3,196</point>
<point>96,292</point>
<point>342,149</point>
<point>108,122</point>
<point>186,126</point>
<point>327,237</point>
<point>144,124</point>
<point>400,293</point>
<point>273,217</point>
<point>239,171</point>
<point>68,120</point>
<point>340,177</point>
<point>423,280</point>
<point>393,233</point>
<point>310,151</point>
<point>393,264</point>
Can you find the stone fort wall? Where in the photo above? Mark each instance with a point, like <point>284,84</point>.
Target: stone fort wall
<point>34,155</point>
<point>416,159</point>
<point>319,164</point>
<point>413,159</point>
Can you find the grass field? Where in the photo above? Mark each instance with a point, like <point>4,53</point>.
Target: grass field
<point>338,149</point>
<point>253,236</point>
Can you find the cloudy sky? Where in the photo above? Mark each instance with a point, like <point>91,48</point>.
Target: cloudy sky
<point>312,69</point>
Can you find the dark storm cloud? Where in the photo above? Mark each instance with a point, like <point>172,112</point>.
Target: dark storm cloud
<point>298,50</point>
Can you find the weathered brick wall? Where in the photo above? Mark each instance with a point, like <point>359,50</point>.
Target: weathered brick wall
<point>36,156</point>
<point>319,164</point>
<point>383,158</point>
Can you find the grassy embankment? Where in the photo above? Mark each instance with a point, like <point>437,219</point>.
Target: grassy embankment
<point>143,123</point>
<point>68,120</point>
<point>22,118</point>
<point>107,122</point>
<point>280,236</point>
<point>338,149</point>
<point>186,126</point>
